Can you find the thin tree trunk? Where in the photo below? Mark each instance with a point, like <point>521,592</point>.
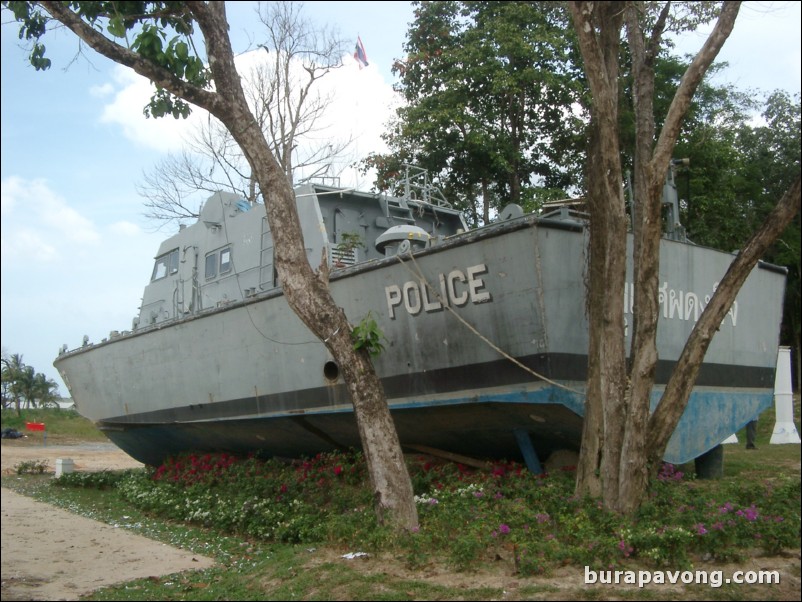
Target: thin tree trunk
<point>598,27</point>
<point>646,230</point>
<point>678,389</point>
<point>307,292</point>
<point>652,162</point>
<point>624,395</point>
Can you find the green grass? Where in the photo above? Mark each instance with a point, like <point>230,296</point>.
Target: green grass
<point>61,425</point>
<point>278,530</point>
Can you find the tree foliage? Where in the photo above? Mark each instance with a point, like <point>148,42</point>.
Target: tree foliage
<point>738,168</point>
<point>23,386</point>
<point>492,94</point>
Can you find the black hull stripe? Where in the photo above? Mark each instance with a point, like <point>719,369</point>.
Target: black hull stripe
<point>477,377</point>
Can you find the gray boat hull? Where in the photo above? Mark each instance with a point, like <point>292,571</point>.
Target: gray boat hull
<point>248,377</point>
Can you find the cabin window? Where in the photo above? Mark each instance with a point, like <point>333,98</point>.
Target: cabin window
<point>218,262</point>
<point>211,265</point>
<point>225,260</point>
<point>166,265</point>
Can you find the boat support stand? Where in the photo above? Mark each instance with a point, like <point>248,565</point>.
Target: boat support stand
<point>528,451</point>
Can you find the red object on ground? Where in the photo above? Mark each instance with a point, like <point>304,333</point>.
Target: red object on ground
<point>35,426</point>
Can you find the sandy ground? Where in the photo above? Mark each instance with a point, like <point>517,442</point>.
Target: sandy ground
<point>51,554</point>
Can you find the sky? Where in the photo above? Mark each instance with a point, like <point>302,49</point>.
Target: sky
<point>77,250</point>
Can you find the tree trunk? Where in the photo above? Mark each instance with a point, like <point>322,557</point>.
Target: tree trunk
<point>675,397</point>
<point>485,203</point>
<point>307,292</point>
<point>646,231</point>
<point>652,162</point>
<point>618,441</point>
<point>597,27</point>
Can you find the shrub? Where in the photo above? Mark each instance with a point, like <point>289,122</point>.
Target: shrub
<point>468,516</point>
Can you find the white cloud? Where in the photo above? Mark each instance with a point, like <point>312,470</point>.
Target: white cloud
<point>39,225</point>
<point>102,90</point>
<point>361,104</point>
<point>125,228</point>
<point>133,92</point>
<point>26,245</point>
<point>65,275</point>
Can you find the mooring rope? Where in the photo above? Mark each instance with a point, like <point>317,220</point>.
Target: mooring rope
<point>470,327</point>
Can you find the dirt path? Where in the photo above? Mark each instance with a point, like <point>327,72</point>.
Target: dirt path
<point>51,554</point>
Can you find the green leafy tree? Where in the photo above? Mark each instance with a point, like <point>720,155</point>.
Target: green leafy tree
<point>24,387</point>
<point>13,376</point>
<point>185,50</point>
<point>738,168</point>
<point>776,157</point>
<point>490,90</point>
<point>45,391</point>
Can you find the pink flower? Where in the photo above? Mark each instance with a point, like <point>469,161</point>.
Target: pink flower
<point>751,513</point>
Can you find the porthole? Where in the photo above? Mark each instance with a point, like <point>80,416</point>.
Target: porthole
<point>331,371</point>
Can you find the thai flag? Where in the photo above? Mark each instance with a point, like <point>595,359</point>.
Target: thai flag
<point>359,53</point>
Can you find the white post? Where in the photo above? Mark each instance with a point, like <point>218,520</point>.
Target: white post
<point>64,466</point>
<point>784,427</point>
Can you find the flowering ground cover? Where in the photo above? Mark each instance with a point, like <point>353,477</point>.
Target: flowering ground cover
<point>280,529</point>
<point>468,516</point>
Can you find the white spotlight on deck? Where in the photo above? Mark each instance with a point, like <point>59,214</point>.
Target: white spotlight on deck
<point>784,427</point>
